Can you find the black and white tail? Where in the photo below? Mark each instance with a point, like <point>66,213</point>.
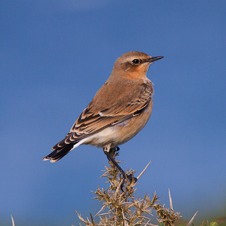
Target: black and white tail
<point>62,148</point>
<point>59,153</point>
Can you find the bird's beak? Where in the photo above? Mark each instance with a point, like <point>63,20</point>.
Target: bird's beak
<point>152,59</point>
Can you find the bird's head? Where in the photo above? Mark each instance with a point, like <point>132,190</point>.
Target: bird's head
<point>133,64</point>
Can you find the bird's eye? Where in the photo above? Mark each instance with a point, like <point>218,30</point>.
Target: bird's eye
<point>136,61</point>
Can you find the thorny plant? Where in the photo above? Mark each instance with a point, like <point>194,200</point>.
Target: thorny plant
<point>120,207</point>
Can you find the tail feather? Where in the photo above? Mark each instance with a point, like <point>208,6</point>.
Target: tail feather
<point>59,152</point>
<point>63,147</point>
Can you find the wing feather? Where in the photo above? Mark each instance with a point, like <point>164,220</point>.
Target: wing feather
<point>123,103</point>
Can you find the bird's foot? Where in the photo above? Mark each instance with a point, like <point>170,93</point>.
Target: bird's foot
<point>131,178</point>
<point>128,180</point>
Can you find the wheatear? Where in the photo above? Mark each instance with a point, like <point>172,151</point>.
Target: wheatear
<point>118,111</point>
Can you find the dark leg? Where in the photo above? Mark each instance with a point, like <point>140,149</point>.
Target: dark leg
<point>111,153</point>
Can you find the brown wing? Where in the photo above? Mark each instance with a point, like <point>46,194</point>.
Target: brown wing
<point>113,104</point>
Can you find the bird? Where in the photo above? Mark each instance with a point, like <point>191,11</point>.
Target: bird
<point>118,111</point>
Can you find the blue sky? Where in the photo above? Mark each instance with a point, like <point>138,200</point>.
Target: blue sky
<point>54,56</point>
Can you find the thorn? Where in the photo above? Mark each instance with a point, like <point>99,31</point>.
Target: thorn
<point>192,219</point>
<point>101,209</point>
<point>13,222</point>
<point>120,186</point>
<point>142,172</point>
<point>92,220</point>
<point>170,200</point>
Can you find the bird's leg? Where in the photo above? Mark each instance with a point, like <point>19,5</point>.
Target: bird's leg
<point>114,152</point>
<point>111,153</point>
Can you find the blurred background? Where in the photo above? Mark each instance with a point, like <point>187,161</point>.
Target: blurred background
<point>54,56</point>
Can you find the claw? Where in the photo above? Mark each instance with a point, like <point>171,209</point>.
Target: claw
<point>131,178</point>
<point>128,178</point>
